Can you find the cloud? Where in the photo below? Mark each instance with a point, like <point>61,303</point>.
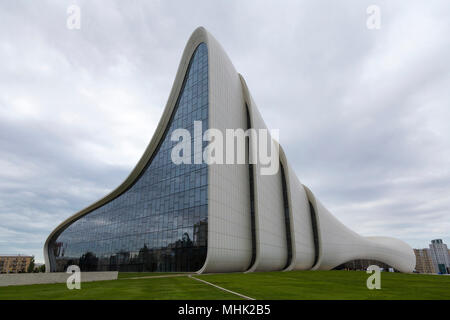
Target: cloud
<point>368,110</point>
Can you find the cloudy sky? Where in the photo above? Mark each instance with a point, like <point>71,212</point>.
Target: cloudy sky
<point>363,114</point>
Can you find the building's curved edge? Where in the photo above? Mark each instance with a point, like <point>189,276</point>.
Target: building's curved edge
<point>249,106</point>
<point>316,230</point>
<point>300,221</point>
<point>197,37</point>
<point>229,221</point>
<point>272,252</point>
<point>399,256</point>
<point>339,244</point>
<point>287,174</point>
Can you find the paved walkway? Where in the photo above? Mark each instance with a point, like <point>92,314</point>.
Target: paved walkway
<point>160,276</point>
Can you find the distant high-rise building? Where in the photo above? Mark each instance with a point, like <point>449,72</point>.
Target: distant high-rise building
<point>424,263</point>
<point>448,269</point>
<point>440,256</point>
<point>14,263</point>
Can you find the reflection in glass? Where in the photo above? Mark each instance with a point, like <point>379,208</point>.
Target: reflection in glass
<point>160,223</point>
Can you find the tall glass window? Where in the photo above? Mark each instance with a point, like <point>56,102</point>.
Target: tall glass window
<point>160,223</point>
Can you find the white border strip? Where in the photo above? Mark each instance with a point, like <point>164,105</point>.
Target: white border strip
<point>211,284</point>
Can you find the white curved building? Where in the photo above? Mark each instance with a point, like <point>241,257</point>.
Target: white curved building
<point>216,217</point>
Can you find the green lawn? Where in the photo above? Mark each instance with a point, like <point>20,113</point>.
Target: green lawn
<point>133,289</point>
<point>347,285</point>
<point>261,285</point>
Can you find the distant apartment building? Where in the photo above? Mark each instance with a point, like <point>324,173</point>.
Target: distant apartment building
<point>440,256</point>
<point>424,263</point>
<point>435,259</point>
<point>14,263</point>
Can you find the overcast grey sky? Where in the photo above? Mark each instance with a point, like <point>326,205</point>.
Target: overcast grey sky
<point>363,114</point>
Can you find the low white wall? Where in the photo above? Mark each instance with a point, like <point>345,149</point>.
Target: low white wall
<point>20,279</point>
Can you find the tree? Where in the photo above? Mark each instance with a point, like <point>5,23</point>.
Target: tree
<point>31,266</point>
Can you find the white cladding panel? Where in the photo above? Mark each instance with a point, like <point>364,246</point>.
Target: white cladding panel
<point>339,244</point>
<point>271,247</point>
<point>302,235</point>
<point>229,229</point>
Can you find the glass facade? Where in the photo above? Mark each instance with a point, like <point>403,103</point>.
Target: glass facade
<point>160,223</point>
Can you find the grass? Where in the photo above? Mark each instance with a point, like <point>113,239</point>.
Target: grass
<point>304,285</point>
<point>337,285</point>
<point>130,289</point>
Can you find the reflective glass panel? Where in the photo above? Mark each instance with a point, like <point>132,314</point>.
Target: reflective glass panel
<point>160,223</point>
